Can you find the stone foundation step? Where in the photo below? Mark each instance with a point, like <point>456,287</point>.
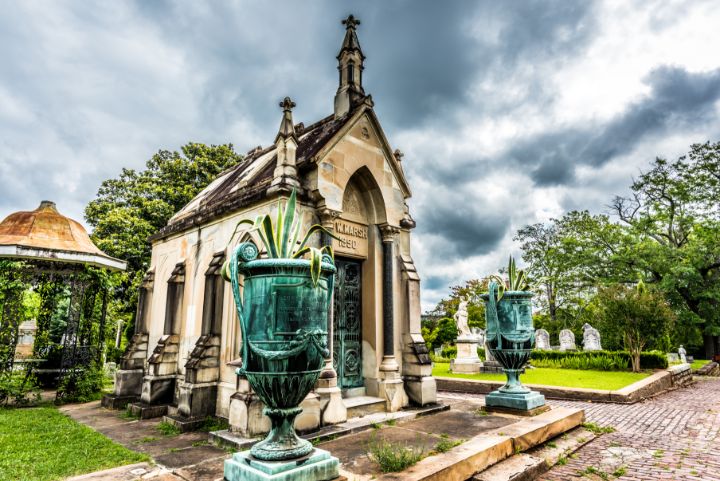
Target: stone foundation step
<point>360,406</point>
<point>111,401</point>
<point>147,411</point>
<point>237,442</point>
<point>183,423</point>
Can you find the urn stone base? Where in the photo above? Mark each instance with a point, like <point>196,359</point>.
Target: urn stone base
<point>527,401</point>
<point>319,465</point>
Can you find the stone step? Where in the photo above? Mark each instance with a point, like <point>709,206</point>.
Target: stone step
<point>111,401</point>
<point>183,423</point>
<point>147,411</point>
<point>360,406</point>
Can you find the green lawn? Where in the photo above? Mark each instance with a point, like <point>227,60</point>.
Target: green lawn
<point>609,380</point>
<point>698,363</point>
<point>41,444</point>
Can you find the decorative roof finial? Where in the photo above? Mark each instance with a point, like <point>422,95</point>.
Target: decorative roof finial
<point>351,22</point>
<point>398,155</point>
<point>287,104</point>
<point>287,128</point>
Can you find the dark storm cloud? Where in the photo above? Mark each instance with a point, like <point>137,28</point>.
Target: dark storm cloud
<point>462,224</point>
<point>678,99</point>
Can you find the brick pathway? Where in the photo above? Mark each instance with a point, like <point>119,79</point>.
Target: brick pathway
<point>674,436</point>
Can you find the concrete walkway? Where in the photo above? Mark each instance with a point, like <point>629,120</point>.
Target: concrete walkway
<point>186,456</point>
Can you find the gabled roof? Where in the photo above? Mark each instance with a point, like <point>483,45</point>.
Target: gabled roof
<point>247,182</point>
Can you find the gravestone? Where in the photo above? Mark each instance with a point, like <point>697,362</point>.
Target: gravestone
<point>683,354</point>
<point>591,338</point>
<point>542,339</point>
<point>567,340</point>
<point>673,357</point>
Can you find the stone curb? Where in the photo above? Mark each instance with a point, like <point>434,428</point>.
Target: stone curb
<point>659,382</point>
<point>491,447</point>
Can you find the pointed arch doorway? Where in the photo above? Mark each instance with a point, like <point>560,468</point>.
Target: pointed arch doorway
<point>358,257</point>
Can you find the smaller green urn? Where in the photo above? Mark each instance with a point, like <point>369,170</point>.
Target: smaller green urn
<point>510,337</point>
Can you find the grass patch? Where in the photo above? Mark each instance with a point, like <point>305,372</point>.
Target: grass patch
<point>593,470</point>
<point>167,429</point>
<point>42,444</point>
<point>620,471</point>
<point>446,444</point>
<point>212,423</point>
<point>698,363</point>
<point>393,457</point>
<point>608,380</point>
<point>597,429</point>
<point>127,414</point>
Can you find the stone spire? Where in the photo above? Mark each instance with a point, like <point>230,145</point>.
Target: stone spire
<point>285,176</point>
<point>350,66</point>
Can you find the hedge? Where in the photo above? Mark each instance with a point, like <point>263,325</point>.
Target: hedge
<point>595,360</point>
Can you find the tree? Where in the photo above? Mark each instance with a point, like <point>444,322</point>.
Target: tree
<point>136,204</point>
<point>677,233</point>
<point>640,317</point>
<point>567,259</point>
<point>476,307</point>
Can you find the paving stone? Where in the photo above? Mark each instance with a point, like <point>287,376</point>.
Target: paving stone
<point>674,436</point>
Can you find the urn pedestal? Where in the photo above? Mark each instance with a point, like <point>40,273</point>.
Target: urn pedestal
<point>319,465</point>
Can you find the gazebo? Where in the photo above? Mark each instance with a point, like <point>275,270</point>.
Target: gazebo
<point>50,269</point>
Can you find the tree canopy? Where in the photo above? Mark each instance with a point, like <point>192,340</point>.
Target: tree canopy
<point>130,208</point>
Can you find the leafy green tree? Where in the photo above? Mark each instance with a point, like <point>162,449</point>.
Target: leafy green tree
<point>130,208</point>
<point>639,317</point>
<point>476,307</point>
<point>678,231</point>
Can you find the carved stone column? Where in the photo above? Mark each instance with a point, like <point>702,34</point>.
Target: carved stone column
<point>390,384</point>
<point>389,233</point>
<point>332,406</point>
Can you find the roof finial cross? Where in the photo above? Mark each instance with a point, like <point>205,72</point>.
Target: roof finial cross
<point>287,104</point>
<point>351,22</point>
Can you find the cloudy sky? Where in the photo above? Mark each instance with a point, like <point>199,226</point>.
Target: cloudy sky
<point>508,112</point>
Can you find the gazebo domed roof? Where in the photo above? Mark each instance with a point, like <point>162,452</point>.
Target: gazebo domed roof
<point>46,234</point>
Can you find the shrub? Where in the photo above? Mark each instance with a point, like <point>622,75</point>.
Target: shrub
<point>596,360</point>
<point>82,385</point>
<point>18,388</point>
<point>393,457</point>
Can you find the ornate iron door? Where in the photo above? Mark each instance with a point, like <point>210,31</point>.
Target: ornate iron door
<point>347,324</point>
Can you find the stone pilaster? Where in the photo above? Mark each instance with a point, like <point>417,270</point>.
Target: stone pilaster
<point>331,404</point>
<point>390,385</point>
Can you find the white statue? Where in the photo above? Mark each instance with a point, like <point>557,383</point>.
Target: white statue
<point>461,320</point>
<point>591,338</point>
<point>567,340</point>
<point>542,339</point>
<point>683,354</point>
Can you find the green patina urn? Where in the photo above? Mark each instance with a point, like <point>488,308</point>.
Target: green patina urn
<point>510,337</point>
<point>283,318</point>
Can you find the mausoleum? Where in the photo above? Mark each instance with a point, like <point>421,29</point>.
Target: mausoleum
<point>182,359</point>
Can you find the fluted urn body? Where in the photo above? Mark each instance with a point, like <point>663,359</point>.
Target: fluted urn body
<point>284,318</point>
